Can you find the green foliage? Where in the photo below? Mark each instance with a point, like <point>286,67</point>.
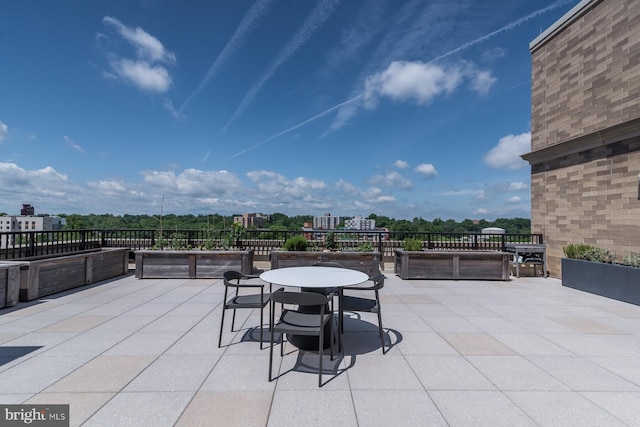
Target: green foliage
<point>588,253</point>
<point>296,243</point>
<point>364,247</point>
<point>412,244</point>
<point>330,241</point>
<point>632,261</point>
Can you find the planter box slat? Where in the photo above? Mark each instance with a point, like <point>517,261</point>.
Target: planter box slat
<point>452,265</point>
<point>9,283</point>
<point>46,276</point>
<point>191,264</point>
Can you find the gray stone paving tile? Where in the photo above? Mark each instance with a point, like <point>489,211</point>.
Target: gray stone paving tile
<point>81,405</point>
<point>476,344</point>
<point>450,324</point>
<point>479,408</point>
<point>312,407</point>
<point>102,374</point>
<point>36,374</point>
<point>562,409</point>
<point>515,373</point>
<point>582,375</point>
<point>587,345</point>
<point>437,372</point>
<point>378,372</point>
<point>197,343</point>
<point>227,408</point>
<point>424,343</point>
<point>530,344</point>
<point>145,343</point>
<point>15,398</point>
<point>240,372</point>
<point>153,409</point>
<point>162,374</point>
<point>626,367</point>
<point>622,405</point>
<point>396,407</point>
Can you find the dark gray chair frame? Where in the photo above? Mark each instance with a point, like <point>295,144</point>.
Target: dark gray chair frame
<point>359,304</point>
<point>295,322</point>
<point>233,279</point>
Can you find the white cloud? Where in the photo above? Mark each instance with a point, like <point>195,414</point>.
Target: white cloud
<point>427,170</point>
<point>518,186</point>
<point>168,104</point>
<point>272,185</point>
<point>72,144</point>
<point>422,82</point>
<point>194,182</point>
<point>514,199</point>
<point>401,164</point>
<point>506,155</point>
<point>493,54</point>
<point>147,46</point>
<point>4,130</point>
<point>154,78</point>
<point>392,179</point>
<point>145,71</point>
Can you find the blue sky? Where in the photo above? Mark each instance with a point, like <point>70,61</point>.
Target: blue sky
<point>400,108</point>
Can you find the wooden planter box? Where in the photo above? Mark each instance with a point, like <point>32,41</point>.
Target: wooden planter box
<point>46,276</point>
<point>454,265</point>
<point>9,283</point>
<point>367,262</point>
<point>191,264</point>
<point>615,281</point>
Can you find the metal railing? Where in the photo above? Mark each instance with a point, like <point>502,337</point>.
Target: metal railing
<point>16,245</point>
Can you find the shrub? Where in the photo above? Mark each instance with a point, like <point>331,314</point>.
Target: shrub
<point>296,243</point>
<point>412,244</point>
<point>330,241</point>
<point>588,253</point>
<point>364,247</point>
<point>632,261</point>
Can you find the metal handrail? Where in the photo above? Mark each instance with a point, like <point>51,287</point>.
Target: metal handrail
<point>24,244</point>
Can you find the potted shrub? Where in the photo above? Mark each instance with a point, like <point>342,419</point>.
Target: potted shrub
<point>595,270</point>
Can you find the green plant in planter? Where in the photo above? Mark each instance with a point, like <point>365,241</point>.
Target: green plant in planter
<point>365,247</point>
<point>589,253</point>
<point>296,243</point>
<point>632,261</point>
<point>330,241</point>
<point>412,244</point>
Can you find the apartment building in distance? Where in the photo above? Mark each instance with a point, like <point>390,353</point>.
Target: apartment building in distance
<point>359,223</point>
<point>250,220</point>
<point>585,129</point>
<point>327,222</point>
<point>27,221</point>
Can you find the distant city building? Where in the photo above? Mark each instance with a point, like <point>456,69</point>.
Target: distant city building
<point>30,222</point>
<point>250,220</point>
<point>326,222</point>
<point>359,223</point>
<point>27,210</point>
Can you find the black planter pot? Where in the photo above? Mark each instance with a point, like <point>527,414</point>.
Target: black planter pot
<point>608,280</point>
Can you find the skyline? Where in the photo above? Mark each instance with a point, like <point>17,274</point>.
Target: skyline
<point>404,109</point>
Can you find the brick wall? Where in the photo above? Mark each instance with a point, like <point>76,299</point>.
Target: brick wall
<point>585,136</point>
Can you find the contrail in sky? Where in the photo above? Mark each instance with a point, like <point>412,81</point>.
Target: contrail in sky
<point>316,18</point>
<point>245,27</point>
<point>507,27</point>
<point>292,128</point>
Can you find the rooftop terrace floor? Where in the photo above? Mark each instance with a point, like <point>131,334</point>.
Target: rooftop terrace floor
<point>463,353</point>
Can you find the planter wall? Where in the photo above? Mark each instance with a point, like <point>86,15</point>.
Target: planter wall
<point>367,262</point>
<point>619,282</point>
<point>47,276</point>
<point>191,264</point>
<point>452,265</point>
<point>9,283</point>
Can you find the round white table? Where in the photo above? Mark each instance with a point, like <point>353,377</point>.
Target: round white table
<point>313,279</point>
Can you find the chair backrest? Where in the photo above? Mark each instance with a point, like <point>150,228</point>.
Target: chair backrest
<point>300,298</point>
<point>230,275</point>
<point>378,280</point>
<point>328,264</point>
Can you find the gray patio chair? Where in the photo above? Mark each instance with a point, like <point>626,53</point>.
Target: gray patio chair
<point>359,304</point>
<point>309,319</point>
<point>236,280</point>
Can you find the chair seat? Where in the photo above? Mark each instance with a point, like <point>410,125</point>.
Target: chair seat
<point>248,301</point>
<point>351,303</point>
<point>296,323</point>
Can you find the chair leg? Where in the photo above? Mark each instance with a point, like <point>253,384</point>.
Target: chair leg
<point>271,322</point>
<point>261,324</point>
<point>233,320</point>
<point>380,330</point>
<point>221,328</point>
<point>320,354</point>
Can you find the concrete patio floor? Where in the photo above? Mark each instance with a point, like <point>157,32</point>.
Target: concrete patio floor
<point>463,353</point>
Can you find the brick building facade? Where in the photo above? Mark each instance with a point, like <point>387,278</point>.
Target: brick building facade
<point>585,129</point>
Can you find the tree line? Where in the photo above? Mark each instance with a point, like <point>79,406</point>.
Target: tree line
<point>280,221</point>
